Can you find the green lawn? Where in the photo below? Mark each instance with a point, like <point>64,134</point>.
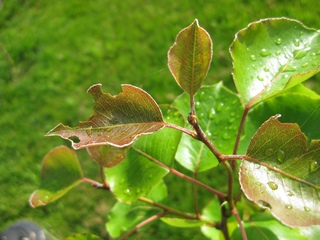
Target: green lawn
<point>51,52</point>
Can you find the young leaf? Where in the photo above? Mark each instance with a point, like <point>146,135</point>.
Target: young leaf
<point>60,172</point>
<point>272,55</point>
<point>190,56</point>
<point>219,112</point>
<point>137,174</point>
<point>107,156</point>
<point>117,120</point>
<point>286,174</point>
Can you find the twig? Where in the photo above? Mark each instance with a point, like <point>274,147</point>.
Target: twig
<point>143,223</point>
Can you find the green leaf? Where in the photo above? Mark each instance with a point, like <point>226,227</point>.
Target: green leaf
<point>286,174</point>
<point>137,174</point>
<point>123,217</point>
<point>294,107</point>
<point>60,173</point>
<point>183,223</point>
<point>272,55</point>
<point>263,226</point>
<point>83,236</point>
<point>107,156</point>
<point>117,120</point>
<point>219,112</point>
<point>190,56</point>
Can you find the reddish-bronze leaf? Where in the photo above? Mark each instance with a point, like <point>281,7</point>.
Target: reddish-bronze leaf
<point>108,156</point>
<point>283,173</point>
<point>117,120</point>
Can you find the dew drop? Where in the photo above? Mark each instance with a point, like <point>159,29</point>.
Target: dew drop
<point>296,42</point>
<point>231,120</point>
<point>253,57</point>
<point>290,193</point>
<point>273,185</point>
<point>314,166</point>
<point>201,95</point>
<point>264,204</point>
<point>288,68</point>
<point>289,207</point>
<point>264,52</point>
<point>278,53</point>
<point>220,106</point>
<point>266,69</point>
<point>281,155</point>
<point>212,113</point>
<point>306,64</point>
<point>127,191</point>
<point>226,136</point>
<point>300,53</point>
<point>198,105</point>
<point>254,67</point>
<point>268,152</point>
<point>260,78</point>
<point>306,209</point>
<point>278,41</point>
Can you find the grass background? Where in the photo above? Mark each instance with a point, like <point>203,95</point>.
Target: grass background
<point>51,52</point>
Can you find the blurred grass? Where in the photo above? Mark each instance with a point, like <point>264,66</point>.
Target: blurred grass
<point>52,51</point>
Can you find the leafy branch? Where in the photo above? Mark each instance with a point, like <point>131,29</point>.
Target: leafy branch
<point>136,142</point>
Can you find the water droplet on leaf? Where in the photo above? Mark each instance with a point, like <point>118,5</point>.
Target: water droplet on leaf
<point>268,152</point>
<point>306,209</point>
<point>226,136</point>
<point>260,78</point>
<point>278,41</point>
<point>220,106</point>
<point>314,166</point>
<point>296,42</point>
<point>198,105</point>
<point>253,57</point>
<point>264,204</point>
<point>264,52</point>
<point>300,53</point>
<point>289,207</point>
<point>212,113</point>
<point>281,155</point>
<point>273,185</point>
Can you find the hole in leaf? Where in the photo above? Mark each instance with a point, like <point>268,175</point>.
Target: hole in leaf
<point>74,139</point>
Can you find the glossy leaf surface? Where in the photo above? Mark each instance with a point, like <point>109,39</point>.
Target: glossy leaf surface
<point>219,112</point>
<point>272,55</point>
<point>286,176</point>
<point>137,174</point>
<point>190,56</point>
<point>60,172</point>
<point>117,120</point>
<point>124,217</point>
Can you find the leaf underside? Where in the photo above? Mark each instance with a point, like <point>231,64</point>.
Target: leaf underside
<point>284,174</point>
<point>117,120</point>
